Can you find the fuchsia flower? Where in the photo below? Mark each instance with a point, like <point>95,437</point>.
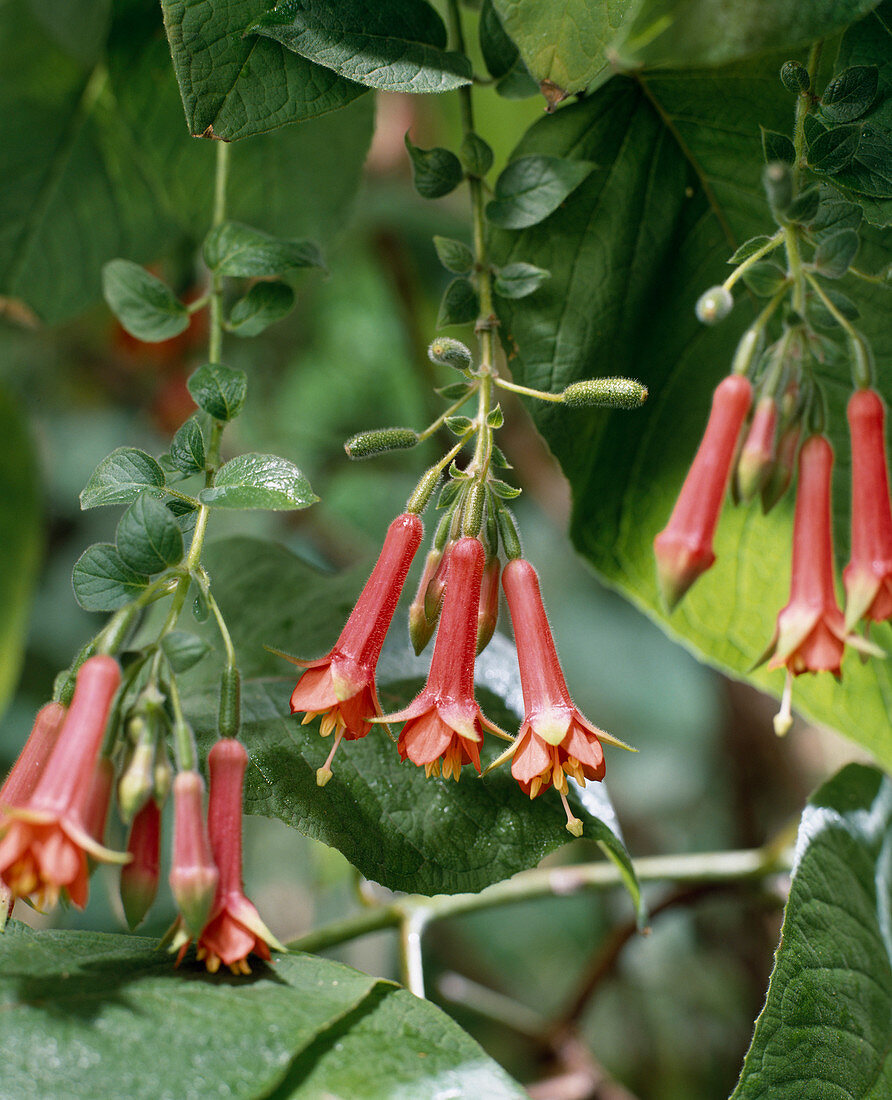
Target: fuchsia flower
<point>683,548</point>
<point>234,929</point>
<point>868,576</point>
<point>444,722</point>
<point>341,685</point>
<point>555,740</point>
<point>47,833</point>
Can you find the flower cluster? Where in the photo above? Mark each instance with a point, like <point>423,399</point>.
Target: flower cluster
<point>443,727</point>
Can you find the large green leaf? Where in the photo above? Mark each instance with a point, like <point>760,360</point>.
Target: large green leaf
<point>825,1029</point>
<point>398,827</point>
<point>564,43</point>
<point>629,253</point>
<point>90,1014</point>
<point>710,32</point>
<point>20,543</point>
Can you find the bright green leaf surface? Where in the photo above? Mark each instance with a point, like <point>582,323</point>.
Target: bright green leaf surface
<point>531,188</point>
<point>565,42</point>
<point>147,537</point>
<point>20,541</point>
<point>144,305</point>
<point>519,280</point>
<point>630,251</point>
<point>454,255</point>
<point>393,45</point>
<point>120,477</point>
<point>684,32</point>
<point>241,250</point>
<point>259,481</point>
<point>219,390</point>
<point>502,57</point>
<point>187,450</point>
<point>263,305</point>
<point>459,305</point>
<point>234,86</point>
<point>824,1032</point>
<point>102,580</point>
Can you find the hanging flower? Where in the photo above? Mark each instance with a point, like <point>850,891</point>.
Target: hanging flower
<point>140,877</point>
<point>444,723</point>
<point>683,548</point>
<point>341,685</point>
<point>193,873</point>
<point>555,740</point>
<point>868,576</point>
<point>45,835</point>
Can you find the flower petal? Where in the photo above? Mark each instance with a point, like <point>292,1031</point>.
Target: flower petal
<point>533,756</point>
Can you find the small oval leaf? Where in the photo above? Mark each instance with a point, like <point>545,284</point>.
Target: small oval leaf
<point>259,481</point>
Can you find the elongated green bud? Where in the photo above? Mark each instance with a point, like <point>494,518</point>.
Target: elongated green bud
<point>380,441</point>
<point>137,783</point>
<point>748,348</point>
<point>421,628</point>
<point>508,531</point>
<point>230,717</point>
<point>777,179</point>
<point>862,361</point>
<point>605,393</point>
<point>446,352</point>
<point>472,517</point>
<point>714,305</point>
<point>794,77</point>
<point>424,490</point>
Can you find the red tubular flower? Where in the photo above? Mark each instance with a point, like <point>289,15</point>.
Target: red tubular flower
<point>868,576</point>
<point>45,838</point>
<point>756,461</point>
<point>555,739</point>
<point>341,685</point>
<point>31,761</point>
<point>683,548</point>
<point>234,929</point>
<point>488,611</point>
<point>193,873</point>
<point>444,722</point>
<point>139,879</point>
<point>421,628</point>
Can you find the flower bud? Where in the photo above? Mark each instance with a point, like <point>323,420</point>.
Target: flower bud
<point>756,461</point>
<point>424,490</point>
<point>472,516</point>
<point>193,875</point>
<point>862,361</point>
<point>748,347</point>
<point>379,442</point>
<point>446,352</point>
<point>230,715</point>
<point>488,610</point>
<point>421,628</point>
<point>509,533</point>
<point>781,473</point>
<point>433,596</point>
<point>139,878</point>
<point>605,393</point>
<point>137,782</point>
<point>794,77</point>
<point>163,776</point>
<point>777,179</point>
<point>714,305</point>
<point>94,811</point>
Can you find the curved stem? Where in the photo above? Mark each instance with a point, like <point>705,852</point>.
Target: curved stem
<point>770,245</point>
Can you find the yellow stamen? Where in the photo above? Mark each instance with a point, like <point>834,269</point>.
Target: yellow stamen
<point>309,716</point>
<point>535,786</point>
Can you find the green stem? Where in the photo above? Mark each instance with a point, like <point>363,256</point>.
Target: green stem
<point>840,319</point>
<point>770,245</point>
<point>527,391</point>
<point>454,407</point>
<point>184,742</point>
<point>204,583</point>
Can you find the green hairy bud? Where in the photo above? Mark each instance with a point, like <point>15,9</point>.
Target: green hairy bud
<point>379,442</point>
<point>794,77</point>
<point>714,305</point>
<point>606,393</point>
<point>446,352</point>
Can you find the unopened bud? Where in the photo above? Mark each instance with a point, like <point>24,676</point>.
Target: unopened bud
<point>433,596</point>
<point>862,361</point>
<point>163,776</point>
<point>95,810</point>
<point>193,875</point>
<point>488,609</point>
<point>794,77</point>
<point>380,441</point>
<point>748,347</point>
<point>446,352</point>
<point>607,393</point>
<point>424,490</point>
<point>137,783</point>
<point>230,715</point>
<point>714,305</point>
<point>508,531</point>
<point>757,456</point>
<point>139,878</point>
<point>781,473</point>
<point>421,628</point>
<point>777,179</point>
<point>472,516</point>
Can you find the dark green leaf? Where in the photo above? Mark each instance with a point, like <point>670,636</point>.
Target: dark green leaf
<point>835,253</point>
<point>748,248</point>
<point>503,489</point>
<point>187,451</point>
<point>458,425</point>
<point>830,151</point>
<point>708,32</point>
<point>519,280</point>
<point>435,172</point>
<point>183,650</point>
<point>822,317</point>
<point>476,155</point>
<point>531,188</point>
<point>120,477</point>
<point>148,538</point>
<point>102,581</point>
<point>454,255</point>
<point>20,543</point>
<point>259,481</point>
<point>144,305</point>
<point>764,278</point>
<point>850,95</point>
<point>263,305</point>
<point>454,390</point>
<point>236,249</point>
<point>804,208</point>
<point>220,391</point>
<point>824,1030</point>
<point>777,146</point>
<point>459,305</point>
<point>233,86</point>
<point>502,57</point>
<point>835,214</point>
<point>394,45</point>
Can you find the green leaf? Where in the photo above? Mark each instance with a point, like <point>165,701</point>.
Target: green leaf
<point>748,248</point>
<point>234,86</point>
<point>476,155</point>
<point>835,253</point>
<point>822,317</point>
<point>147,537</point>
<point>519,280</point>
<point>396,826</point>
<point>565,44</point>
<point>120,477</point>
<point>460,304</point>
<point>613,286</point>
<point>220,391</point>
<point>435,172</point>
<point>146,307</point>
<point>263,305</point>
<point>259,481</point>
<point>829,151</point>
<point>184,650</point>
<point>708,32</point>
<point>394,45</point>
<point>20,544</point>
<point>240,250</point>
<point>850,95</point>
<point>454,255</point>
<point>502,57</point>
<point>824,1030</point>
<point>777,146</point>
<point>532,188</point>
<point>102,581</point>
<point>187,451</point>
<point>804,208</point>
<point>835,214</point>
<point>764,278</point>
